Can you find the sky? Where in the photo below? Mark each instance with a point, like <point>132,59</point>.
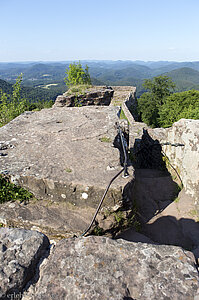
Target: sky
<point>62,30</point>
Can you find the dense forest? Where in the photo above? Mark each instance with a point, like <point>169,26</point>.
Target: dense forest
<point>47,78</point>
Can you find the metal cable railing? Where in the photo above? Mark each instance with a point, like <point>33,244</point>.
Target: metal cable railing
<point>124,143</point>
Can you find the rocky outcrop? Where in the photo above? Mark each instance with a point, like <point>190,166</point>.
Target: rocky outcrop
<point>98,95</point>
<point>62,155</point>
<point>20,253</point>
<point>101,268</point>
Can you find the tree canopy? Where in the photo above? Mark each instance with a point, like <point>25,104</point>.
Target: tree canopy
<point>12,105</point>
<point>178,106</point>
<point>150,102</point>
<point>160,107</point>
<point>76,75</point>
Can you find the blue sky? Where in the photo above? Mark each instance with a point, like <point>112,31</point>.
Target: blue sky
<point>38,30</point>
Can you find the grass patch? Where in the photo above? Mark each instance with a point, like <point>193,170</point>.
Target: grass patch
<point>177,200</point>
<point>12,192</point>
<point>78,89</point>
<point>68,170</point>
<point>122,115</point>
<point>105,139</point>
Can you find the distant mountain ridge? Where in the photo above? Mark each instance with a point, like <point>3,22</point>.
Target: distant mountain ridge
<point>185,78</point>
<point>50,75</point>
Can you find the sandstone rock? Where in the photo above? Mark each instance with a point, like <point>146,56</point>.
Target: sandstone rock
<point>101,268</point>
<point>98,95</point>
<point>20,252</point>
<point>153,190</point>
<point>56,220</point>
<point>123,93</point>
<point>185,156</point>
<point>63,153</point>
<point>180,143</point>
<point>177,225</point>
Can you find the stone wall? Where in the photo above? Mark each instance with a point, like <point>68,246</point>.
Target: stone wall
<point>97,95</point>
<point>180,144</point>
<point>183,153</point>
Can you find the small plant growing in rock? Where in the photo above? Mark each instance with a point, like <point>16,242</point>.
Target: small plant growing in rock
<point>105,139</point>
<point>97,231</point>
<point>12,192</point>
<point>122,115</point>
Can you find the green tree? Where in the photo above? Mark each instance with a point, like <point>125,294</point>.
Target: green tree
<point>76,75</point>
<point>12,105</point>
<point>150,102</point>
<point>178,106</point>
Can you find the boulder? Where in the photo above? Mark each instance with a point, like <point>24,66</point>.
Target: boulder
<point>97,95</point>
<point>101,268</point>
<point>20,252</point>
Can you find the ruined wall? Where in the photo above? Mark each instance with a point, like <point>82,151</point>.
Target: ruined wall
<point>183,152</point>
<point>181,145</point>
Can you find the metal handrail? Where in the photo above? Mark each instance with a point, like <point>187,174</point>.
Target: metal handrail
<point>111,181</point>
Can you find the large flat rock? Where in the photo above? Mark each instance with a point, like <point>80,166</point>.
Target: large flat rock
<point>64,154</point>
<point>101,268</point>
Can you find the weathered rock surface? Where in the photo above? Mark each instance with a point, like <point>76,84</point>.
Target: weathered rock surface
<point>56,220</point>
<point>181,144</point>
<point>166,216</point>
<point>20,253</point>
<point>153,190</point>
<point>97,95</point>
<point>101,268</point>
<point>122,93</point>
<point>64,154</point>
<point>185,156</point>
<point>177,225</point>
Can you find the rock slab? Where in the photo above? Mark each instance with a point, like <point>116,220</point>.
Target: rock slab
<point>101,268</point>
<point>20,252</point>
<point>64,154</point>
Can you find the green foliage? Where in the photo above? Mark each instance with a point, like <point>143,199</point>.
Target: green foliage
<point>79,89</point>
<point>122,115</point>
<point>77,75</point>
<point>150,102</point>
<point>179,105</point>
<point>97,231</point>
<point>105,139</point>
<point>12,105</point>
<point>11,192</point>
<point>39,105</point>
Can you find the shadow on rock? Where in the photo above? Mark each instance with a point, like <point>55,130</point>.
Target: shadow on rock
<point>170,231</point>
<point>152,191</point>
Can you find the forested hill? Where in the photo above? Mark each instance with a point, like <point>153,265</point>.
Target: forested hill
<point>185,79</point>
<point>45,80</point>
<point>31,94</point>
<point>5,87</point>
